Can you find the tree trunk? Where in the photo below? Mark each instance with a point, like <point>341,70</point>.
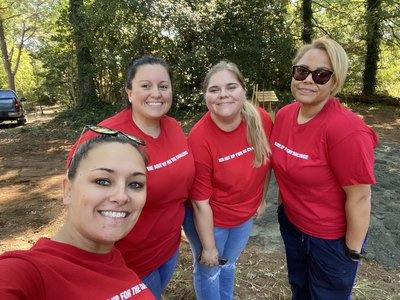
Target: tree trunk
<point>86,90</point>
<point>6,58</point>
<point>307,33</point>
<point>373,40</point>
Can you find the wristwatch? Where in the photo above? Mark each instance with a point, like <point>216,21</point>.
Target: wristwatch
<point>353,254</point>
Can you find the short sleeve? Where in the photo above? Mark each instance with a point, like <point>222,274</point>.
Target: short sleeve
<point>20,279</point>
<point>352,158</point>
<point>202,186</point>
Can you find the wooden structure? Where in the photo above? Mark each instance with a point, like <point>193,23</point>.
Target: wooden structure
<point>263,98</point>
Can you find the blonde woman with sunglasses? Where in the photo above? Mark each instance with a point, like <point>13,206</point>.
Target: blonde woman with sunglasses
<point>323,160</point>
<point>104,192</point>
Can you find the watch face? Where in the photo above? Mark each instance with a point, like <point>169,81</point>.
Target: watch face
<point>354,255</point>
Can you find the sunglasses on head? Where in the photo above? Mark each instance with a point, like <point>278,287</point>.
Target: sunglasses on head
<point>109,131</point>
<point>319,76</point>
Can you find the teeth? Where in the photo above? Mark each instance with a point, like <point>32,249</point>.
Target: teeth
<point>114,214</point>
<point>154,103</point>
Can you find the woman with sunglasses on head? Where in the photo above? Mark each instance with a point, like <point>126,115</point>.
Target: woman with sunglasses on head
<point>151,248</point>
<point>104,192</point>
<point>322,157</point>
<point>231,151</point>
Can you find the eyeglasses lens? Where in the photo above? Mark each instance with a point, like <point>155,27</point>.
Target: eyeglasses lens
<point>319,76</point>
<point>134,138</point>
<point>110,131</point>
<point>102,130</point>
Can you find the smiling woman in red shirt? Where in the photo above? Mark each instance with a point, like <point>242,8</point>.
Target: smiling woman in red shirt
<point>104,192</point>
<point>231,151</point>
<point>323,160</point>
<point>151,249</point>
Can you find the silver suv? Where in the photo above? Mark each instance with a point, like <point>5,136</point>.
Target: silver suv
<point>11,108</point>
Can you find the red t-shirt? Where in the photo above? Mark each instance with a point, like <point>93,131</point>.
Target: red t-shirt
<point>53,270</point>
<point>157,234</point>
<point>312,162</point>
<point>225,172</point>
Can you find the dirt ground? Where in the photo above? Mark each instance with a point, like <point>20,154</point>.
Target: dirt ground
<point>32,161</point>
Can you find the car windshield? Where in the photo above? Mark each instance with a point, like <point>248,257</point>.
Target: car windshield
<point>7,94</point>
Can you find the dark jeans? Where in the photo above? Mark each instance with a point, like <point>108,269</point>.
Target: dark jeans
<point>317,268</point>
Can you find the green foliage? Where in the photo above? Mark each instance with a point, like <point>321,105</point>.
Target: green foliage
<point>77,118</point>
<point>253,34</point>
<point>261,36</point>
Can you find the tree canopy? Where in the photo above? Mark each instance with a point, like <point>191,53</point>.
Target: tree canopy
<point>75,52</point>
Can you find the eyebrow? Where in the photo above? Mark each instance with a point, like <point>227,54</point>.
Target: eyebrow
<point>112,171</point>
<point>227,84</point>
<point>319,68</point>
<point>148,80</point>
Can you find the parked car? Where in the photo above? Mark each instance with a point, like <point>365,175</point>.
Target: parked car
<point>11,108</point>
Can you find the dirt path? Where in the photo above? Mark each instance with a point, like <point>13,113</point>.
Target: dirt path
<point>32,166</point>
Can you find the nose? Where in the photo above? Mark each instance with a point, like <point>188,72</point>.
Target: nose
<point>119,194</point>
<point>223,93</point>
<point>309,77</point>
<point>155,92</point>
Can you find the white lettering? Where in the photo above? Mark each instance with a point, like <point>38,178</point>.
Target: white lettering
<point>169,161</point>
<point>126,294</point>
<point>235,155</point>
<point>290,151</point>
<point>138,288</point>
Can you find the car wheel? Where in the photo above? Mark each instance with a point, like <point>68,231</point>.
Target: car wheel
<point>23,121</point>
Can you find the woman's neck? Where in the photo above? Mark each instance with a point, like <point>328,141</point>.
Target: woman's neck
<point>71,237</point>
<point>149,126</point>
<point>227,124</point>
<point>308,112</point>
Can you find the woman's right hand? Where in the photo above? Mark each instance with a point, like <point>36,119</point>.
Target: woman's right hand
<point>209,257</point>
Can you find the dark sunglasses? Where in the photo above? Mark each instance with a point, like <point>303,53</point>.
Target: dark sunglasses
<point>319,76</point>
<point>109,131</point>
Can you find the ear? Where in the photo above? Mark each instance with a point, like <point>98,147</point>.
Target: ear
<point>67,191</point>
<point>128,92</point>
<point>334,83</point>
<point>333,87</point>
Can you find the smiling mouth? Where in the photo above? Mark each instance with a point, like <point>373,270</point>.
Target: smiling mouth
<point>114,214</point>
<point>155,104</point>
<point>306,90</point>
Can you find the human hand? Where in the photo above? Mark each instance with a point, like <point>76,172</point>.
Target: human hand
<point>209,257</point>
<point>260,210</point>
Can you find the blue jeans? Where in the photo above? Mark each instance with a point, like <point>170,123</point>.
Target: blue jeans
<point>216,283</point>
<point>317,268</point>
<point>157,280</point>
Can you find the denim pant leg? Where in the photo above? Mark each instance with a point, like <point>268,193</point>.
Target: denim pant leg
<point>332,272</point>
<point>199,271</point>
<point>296,247</point>
<point>191,234</point>
<point>317,268</point>
<point>215,283</point>
<point>230,244</point>
<point>157,280</point>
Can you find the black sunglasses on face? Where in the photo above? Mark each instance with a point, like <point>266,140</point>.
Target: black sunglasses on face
<point>109,131</point>
<point>319,76</point>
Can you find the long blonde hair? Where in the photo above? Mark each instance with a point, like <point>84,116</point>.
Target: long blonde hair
<point>255,133</point>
